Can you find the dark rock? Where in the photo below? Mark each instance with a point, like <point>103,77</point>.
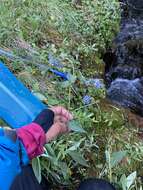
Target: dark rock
<point>124,62</point>
<point>127,93</point>
<point>132,8</point>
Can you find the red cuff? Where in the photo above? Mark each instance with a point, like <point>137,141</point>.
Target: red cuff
<point>33,138</point>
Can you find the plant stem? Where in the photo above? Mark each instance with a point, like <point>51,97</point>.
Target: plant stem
<point>85,106</point>
<point>69,103</point>
<point>110,168</point>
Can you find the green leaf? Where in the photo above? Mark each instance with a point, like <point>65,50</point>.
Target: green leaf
<point>63,167</point>
<point>37,168</point>
<point>75,146</point>
<point>78,158</point>
<point>130,179</point>
<point>50,150</point>
<point>123,182</point>
<point>117,157</point>
<point>76,127</point>
<point>55,175</point>
<point>107,154</point>
<point>127,182</point>
<point>40,96</point>
<point>53,101</point>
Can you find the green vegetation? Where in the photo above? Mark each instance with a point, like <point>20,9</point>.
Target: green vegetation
<point>102,144</point>
<point>78,34</point>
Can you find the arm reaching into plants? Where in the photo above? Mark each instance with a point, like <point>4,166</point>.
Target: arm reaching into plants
<point>47,126</point>
<point>14,166</point>
<point>27,142</point>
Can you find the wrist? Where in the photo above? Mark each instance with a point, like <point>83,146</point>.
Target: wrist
<point>45,119</point>
<point>53,132</point>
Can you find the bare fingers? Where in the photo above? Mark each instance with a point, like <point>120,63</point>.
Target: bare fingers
<point>59,110</point>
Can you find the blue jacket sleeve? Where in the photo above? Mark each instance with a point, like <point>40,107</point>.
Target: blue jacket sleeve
<point>10,160</point>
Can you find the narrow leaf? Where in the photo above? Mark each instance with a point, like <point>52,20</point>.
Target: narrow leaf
<point>123,182</point>
<point>50,150</point>
<point>40,96</point>
<point>63,167</point>
<point>76,127</point>
<point>78,158</point>
<point>75,146</point>
<point>130,179</point>
<point>37,168</point>
<point>117,157</point>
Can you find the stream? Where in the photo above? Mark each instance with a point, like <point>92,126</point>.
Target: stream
<point>124,61</point>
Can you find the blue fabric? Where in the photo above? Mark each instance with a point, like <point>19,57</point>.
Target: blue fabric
<point>10,161</point>
<point>1,131</point>
<point>13,94</point>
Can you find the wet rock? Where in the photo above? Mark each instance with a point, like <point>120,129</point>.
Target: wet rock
<point>124,62</point>
<point>127,93</point>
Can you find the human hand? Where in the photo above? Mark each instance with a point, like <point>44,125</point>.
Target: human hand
<point>61,112</point>
<point>61,120</point>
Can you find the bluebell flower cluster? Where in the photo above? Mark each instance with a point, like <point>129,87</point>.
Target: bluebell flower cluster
<point>87,100</point>
<point>97,83</point>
